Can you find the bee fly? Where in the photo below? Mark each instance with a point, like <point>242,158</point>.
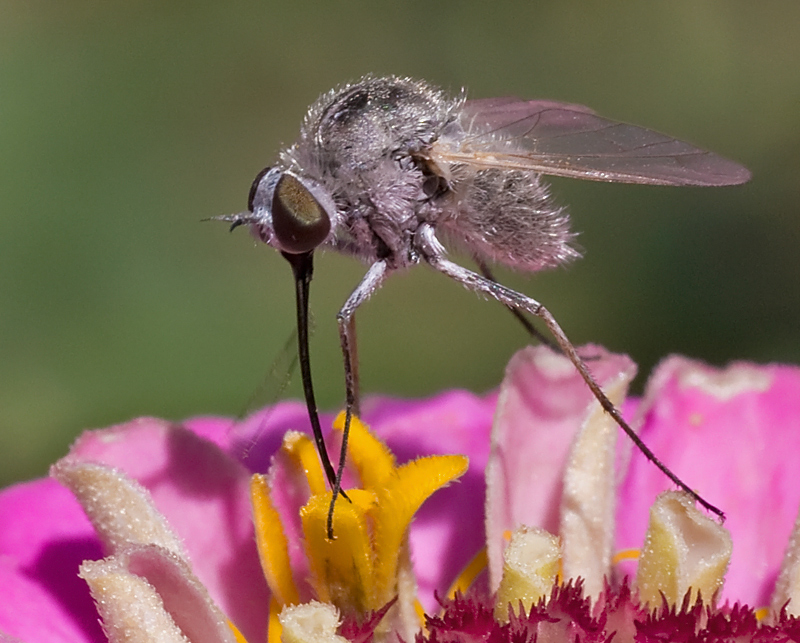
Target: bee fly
<point>386,167</point>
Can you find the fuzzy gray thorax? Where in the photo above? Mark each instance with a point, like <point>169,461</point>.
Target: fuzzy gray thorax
<point>365,144</point>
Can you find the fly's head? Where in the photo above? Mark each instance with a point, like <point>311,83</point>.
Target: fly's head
<point>290,212</point>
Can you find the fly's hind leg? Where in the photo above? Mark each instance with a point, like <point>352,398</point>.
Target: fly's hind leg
<point>526,323</point>
<point>433,252</point>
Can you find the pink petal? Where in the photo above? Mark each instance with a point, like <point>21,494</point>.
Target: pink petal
<point>44,537</point>
<point>254,440</point>
<point>732,434</point>
<point>543,401</point>
<point>203,493</point>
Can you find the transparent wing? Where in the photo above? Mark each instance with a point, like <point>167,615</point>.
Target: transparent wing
<point>571,140</point>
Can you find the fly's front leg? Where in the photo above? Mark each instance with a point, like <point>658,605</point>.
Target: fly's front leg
<point>347,336</point>
<point>434,253</point>
<point>355,382</point>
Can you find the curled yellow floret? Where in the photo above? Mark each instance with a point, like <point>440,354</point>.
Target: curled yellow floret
<point>367,564</point>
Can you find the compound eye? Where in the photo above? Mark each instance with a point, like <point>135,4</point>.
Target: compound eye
<point>254,188</point>
<point>298,220</point>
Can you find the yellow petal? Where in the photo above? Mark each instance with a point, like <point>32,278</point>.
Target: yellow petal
<point>683,550</point>
<point>274,627</point>
<point>625,554</point>
<point>397,503</point>
<point>342,569</point>
<point>531,564</point>
<point>237,635</point>
<point>468,575</point>
<point>273,550</point>
<point>303,453</point>
<point>371,457</point>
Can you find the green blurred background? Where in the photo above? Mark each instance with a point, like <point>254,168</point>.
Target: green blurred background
<point>123,124</point>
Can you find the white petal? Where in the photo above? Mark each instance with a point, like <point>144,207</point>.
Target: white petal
<point>147,593</point>
<point>131,609</point>
<point>119,508</point>
<point>588,500</point>
<point>310,623</point>
<point>402,618</point>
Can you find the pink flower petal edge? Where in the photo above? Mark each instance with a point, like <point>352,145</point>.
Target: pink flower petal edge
<point>733,434</point>
<point>543,402</point>
<point>203,494</point>
<point>44,538</point>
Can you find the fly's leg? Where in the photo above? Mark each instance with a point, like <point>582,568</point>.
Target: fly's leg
<point>526,323</point>
<point>347,337</point>
<point>434,253</point>
<point>351,332</point>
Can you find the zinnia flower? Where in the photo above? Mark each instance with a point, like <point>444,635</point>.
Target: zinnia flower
<point>176,554</point>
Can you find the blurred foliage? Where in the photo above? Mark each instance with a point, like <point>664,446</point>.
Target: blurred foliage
<point>124,124</point>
